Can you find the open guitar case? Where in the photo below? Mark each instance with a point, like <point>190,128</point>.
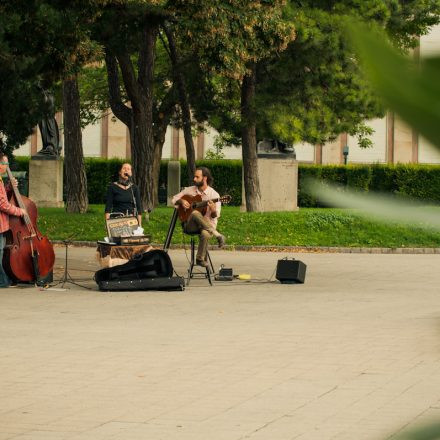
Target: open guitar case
<point>148,271</point>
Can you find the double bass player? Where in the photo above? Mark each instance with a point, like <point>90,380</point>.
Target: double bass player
<point>6,209</point>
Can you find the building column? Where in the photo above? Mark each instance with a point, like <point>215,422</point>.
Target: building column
<point>200,145</point>
<point>390,137</point>
<point>415,135</point>
<point>415,146</point>
<point>104,136</point>
<point>127,144</point>
<point>318,154</point>
<point>175,143</point>
<point>34,141</point>
<point>344,142</point>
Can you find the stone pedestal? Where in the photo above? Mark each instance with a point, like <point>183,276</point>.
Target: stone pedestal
<point>173,180</point>
<point>46,182</point>
<point>278,184</point>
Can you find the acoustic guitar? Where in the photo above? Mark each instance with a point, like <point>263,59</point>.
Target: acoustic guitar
<point>196,203</point>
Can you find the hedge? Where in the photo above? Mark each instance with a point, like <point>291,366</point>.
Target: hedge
<point>408,180</point>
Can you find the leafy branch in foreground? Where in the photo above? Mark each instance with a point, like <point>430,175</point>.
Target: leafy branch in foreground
<point>410,89</point>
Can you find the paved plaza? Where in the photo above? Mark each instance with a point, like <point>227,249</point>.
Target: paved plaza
<point>354,353</point>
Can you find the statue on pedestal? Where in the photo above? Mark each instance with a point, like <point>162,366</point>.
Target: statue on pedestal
<point>274,148</point>
<point>50,134</point>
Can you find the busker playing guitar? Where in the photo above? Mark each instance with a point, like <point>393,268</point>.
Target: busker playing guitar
<point>197,223</point>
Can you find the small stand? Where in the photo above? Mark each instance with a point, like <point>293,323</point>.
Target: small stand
<point>67,278</point>
<point>171,228</point>
<point>209,269</point>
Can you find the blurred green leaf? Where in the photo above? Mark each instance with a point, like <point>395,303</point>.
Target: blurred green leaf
<point>410,89</point>
<point>373,205</point>
<point>430,432</point>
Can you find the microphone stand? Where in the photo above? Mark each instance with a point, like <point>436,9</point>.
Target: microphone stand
<point>135,210</point>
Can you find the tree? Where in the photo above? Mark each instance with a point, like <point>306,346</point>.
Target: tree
<point>315,90</point>
<point>230,38</point>
<point>128,31</point>
<point>183,100</point>
<point>74,169</point>
<point>100,91</point>
<point>30,61</point>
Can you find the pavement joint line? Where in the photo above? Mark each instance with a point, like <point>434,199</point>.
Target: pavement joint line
<point>300,249</point>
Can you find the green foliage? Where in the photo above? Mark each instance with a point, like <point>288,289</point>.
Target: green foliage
<point>418,182</point>
<point>359,177</point>
<point>217,153</point>
<point>427,432</point>
<point>315,89</point>
<point>383,179</point>
<point>228,35</point>
<point>94,99</point>
<point>335,174</point>
<point>214,155</point>
<point>306,172</point>
<point>412,91</point>
<point>36,59</point>
<point>322,220</point>
<point>20,163</point>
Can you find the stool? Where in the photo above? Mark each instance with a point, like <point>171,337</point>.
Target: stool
<point>191,273</point>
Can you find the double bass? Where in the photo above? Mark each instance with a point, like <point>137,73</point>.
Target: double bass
<point>29,255</point>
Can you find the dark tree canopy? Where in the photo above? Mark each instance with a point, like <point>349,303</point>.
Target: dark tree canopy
<point>39,42</point>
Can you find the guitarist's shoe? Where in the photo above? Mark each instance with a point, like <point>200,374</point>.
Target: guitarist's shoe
<point>221,240</point>
<point>202,263</point>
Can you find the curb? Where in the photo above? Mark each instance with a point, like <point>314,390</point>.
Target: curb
<point>299,249</point>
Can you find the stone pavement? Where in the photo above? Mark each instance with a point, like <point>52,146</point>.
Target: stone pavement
<point>354,353</point>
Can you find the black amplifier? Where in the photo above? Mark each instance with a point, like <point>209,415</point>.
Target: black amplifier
<point>291,271</point>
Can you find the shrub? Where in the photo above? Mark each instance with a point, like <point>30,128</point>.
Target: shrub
<point>383,178</point>
<point>358,177</point>
<point>411,180</point>
<point>418,181</point>
<point>305,172</point>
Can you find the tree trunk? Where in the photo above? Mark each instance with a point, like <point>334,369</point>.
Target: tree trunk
<point>184,106</point>
<point>142,158</point>
<point>139,119</point>
<point>160,129</point>
<point>249,143</point>
<point>75,173</point>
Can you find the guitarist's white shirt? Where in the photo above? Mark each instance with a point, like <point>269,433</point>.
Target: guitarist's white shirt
<point>208,194</point>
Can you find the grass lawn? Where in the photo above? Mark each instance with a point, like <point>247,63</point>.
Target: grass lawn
<point>307,227</point>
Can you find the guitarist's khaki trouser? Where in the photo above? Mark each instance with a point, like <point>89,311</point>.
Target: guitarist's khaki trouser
<point>197,224</point>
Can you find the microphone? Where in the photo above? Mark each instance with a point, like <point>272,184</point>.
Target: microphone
<point>127,176</point>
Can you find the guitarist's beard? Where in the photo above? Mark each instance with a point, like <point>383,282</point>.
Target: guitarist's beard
<point>198,184</point>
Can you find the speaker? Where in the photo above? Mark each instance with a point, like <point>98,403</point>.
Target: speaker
<point>291,271</point>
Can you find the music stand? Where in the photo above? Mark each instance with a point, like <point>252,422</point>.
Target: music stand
<point>67,278</point>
